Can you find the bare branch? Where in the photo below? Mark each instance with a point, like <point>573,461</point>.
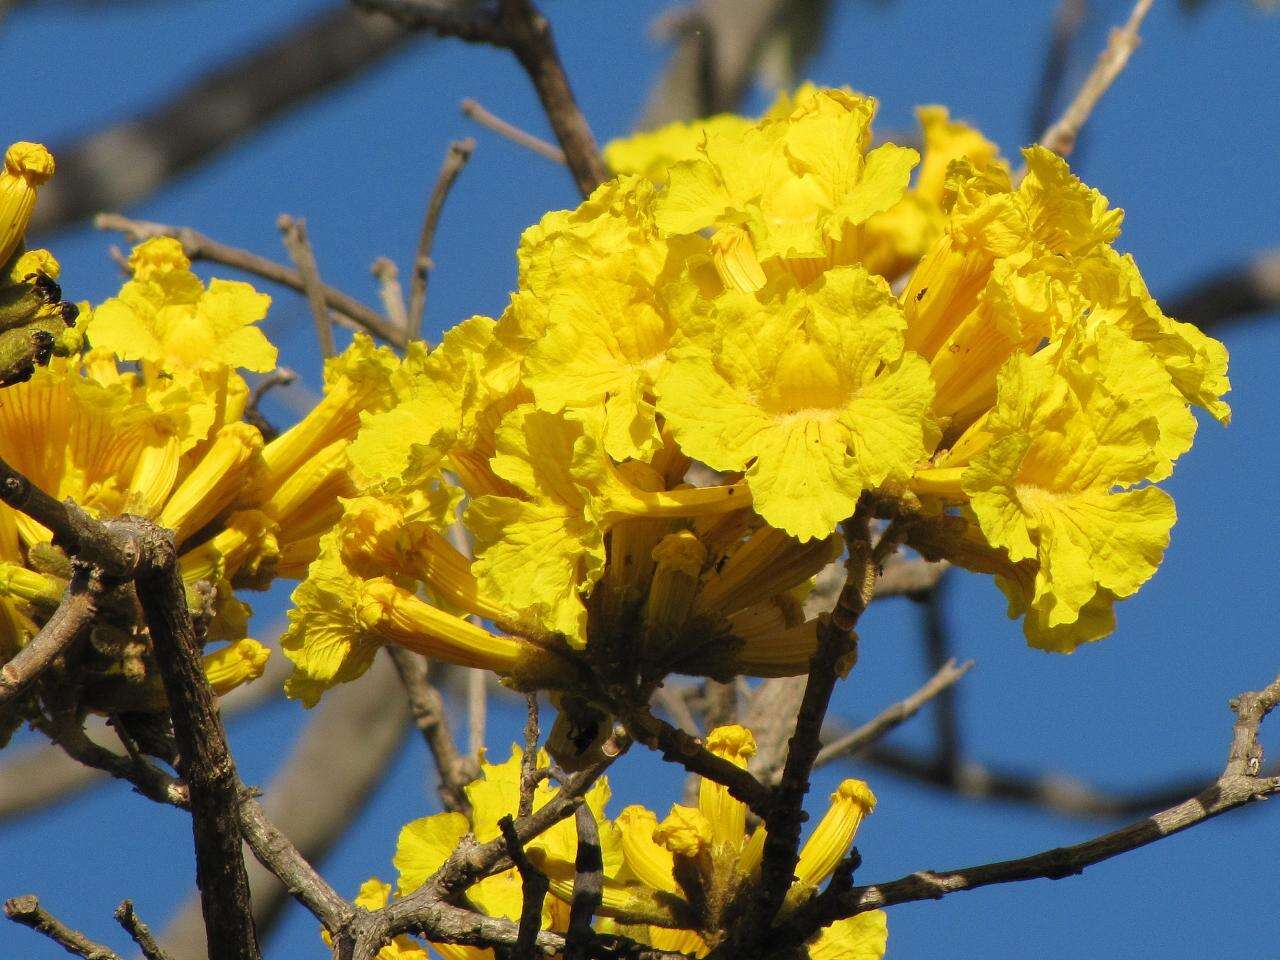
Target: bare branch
<point>27,911</point>
<point>474,111</point>
<point>432,720</point>
<point>529,777</point>
<point>67,624</point>
<point>588,886</point>
<point>390,292</point>
<point>1237,786</point>
<point>533,892</point>
<point>835,656</point>
<point>351,313</point>
<point>1242,291</point>
<point>139,931</point>
<point>122,164</point>
<point>937,645</point>
<point>477,710</point>
<point>333,772</point>
<point>521,28</point>
<point>689,752</point>
<point>204,761</point>
<point>294,234</point>
<point>1061,137</point>
<point>1067,21</point>
<point>893,716</point>
<point>455,159</point>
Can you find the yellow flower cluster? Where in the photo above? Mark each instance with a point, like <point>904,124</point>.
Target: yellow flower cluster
<point>146,416</point>
<point>709,362</point>
<point>678,884</point>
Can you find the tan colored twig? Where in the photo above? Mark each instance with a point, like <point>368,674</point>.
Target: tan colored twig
<point>474,111</point>
<point>1062,135</point>
<point>293,232</point>
<point>139,932</point>
<point>27,911</point>
<point>455,159</point>
<point>390,292</point>
<point>431,718</point>
<point>68,623</point>
<point>893,716</point>
<point>1067,22</point>
<point>518,26</point>
<point>349,312</point>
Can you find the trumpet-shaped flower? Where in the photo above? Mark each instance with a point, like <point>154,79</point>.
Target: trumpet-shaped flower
<point>27,166</point>
<point>813,397</point>
<point>166,316</point>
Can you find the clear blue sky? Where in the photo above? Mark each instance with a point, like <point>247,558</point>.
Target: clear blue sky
<point>1187,143</point>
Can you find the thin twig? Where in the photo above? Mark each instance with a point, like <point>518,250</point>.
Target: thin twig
<point>689,752</point>
<point>139,931</point>
<point>348,311</point>
<point>520,27</point>
<point>1238,785</point>
<point>892,717</point>
<point>455,159</point>
<point>837,650</point>
<point>75,612</point>
<point>1067,21</point>
<point>529,777</point>
<point>477,710</point>
<point>432,720</point>
<point>1242,291</point>
<point>293,231</point>
<point>27,911</point>
<point>1061,137</point>
<point>937,644</point>
<point>473,110</point>
<point>533,892</point>
<point>588,886</point>
<point>390,292</point>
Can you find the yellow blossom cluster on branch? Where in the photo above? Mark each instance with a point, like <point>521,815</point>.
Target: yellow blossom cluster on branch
<point>713,360</point>
<point>143,412</point>
<point>678,884</point>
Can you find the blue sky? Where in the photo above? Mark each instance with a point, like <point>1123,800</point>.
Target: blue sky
<point>1187,143</point>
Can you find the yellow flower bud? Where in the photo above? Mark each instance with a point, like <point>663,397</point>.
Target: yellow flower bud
<point>651,862</point>
<point>726,815</point>
<point>833,835</point>
<point>235,665</point>
<point>26,168</point>
<point>686,832</point>
<point>679,558</point>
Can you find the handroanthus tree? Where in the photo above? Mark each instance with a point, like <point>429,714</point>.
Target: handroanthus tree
<point>759,351</point>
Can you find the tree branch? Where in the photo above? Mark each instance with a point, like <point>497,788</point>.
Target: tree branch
<point>123,164</point>
<point>139,932</point>
<point>1061,137</point>
<point>432,720</point>
<point>1067,21</point>
<point>474,111</point>
<point>1237,786</point>
<point>520,27</point>
<point>74,613</point>
<point>351,313</point>
<point>677,746</point>
<point>27,911</point>
<point>455,159</point>
<point>893,716</point>
<point>1242,291</point>
<point>588,886</point>
<point>204,760</point>
<point>533,892</point>
<point>294,234</point>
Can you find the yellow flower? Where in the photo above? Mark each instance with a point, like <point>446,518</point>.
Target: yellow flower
<point>166,316</point>
<point>235,665</point>
<point>537,555</point>
<point>373,895</point>
<point>652,153</point>
<point>339,620</point>
<point>788,194</point>
<point>26,168</point>
<point>425,844</point>
<point>704,855</point>
<point>812,396</point>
